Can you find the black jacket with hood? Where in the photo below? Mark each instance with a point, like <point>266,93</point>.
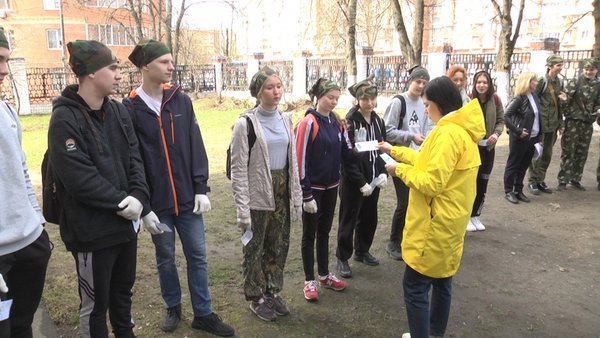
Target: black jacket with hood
<point>96,163</point>
<point>172,150</point>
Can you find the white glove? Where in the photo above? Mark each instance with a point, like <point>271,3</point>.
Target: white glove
<point>133,208</point>
<point>201,204</point>
<point>366,190</point>
<point>244,224</point>
<point>360,135</point>
<point>310,207</point>
<point>3,287</point>
<point>381,181</point>
<point>150,223</point>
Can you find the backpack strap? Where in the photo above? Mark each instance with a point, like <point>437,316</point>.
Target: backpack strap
<point>402,110</point>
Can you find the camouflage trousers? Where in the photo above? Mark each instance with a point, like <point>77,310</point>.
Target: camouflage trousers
<point>575,144</point>
<point>538,168</point>
<point>266,253</point>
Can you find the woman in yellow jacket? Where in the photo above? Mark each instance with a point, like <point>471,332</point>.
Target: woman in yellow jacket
<point>442,178</point>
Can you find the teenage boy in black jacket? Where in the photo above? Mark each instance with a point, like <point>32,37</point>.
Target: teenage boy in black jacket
<point>102,187</point>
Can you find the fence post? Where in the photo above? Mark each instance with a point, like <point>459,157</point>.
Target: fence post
<point>18,70</point>
<point>362,54</point>
<point>253,65</point>
<point>537,62</point>
<point>218,77</point>
<point>436,64</point>
<point>299,77</point>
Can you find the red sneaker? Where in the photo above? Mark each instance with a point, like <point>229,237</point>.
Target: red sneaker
<point>311,291</point>
<point>332,282</point>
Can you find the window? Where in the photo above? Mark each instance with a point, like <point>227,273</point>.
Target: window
<point>54,39</point>
<point>51,4</point>
<point>10,36</point>
<point>112,35</point>
<point>105,3</point>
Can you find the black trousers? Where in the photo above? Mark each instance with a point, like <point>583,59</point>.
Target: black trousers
<point>399,218</point>
<point>24,272</point>
<point>520,153</point>
<point>483,178</point>
<point>319,225</point>
<point>358,220</point>
<point>106,278</point>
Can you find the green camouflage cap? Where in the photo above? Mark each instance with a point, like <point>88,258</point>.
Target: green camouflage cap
<point>417,72</point>
<point>554,59</point>
<point>259,79</point>
<point>3,39</point>
<point>364,88</point>
<point>590,63</point>
<point>88,56</point>
<point>147,51</point>
<point>321,87</point>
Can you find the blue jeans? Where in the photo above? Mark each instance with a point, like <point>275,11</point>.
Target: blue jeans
<point>190,228</point>
<point>425,320</point>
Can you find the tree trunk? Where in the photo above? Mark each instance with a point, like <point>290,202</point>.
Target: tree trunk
<point>410,50</point>
<point>596,28</point>
<point>351,44</point>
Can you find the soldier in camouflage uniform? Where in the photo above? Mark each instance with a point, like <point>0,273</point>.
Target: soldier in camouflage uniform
<point>549,90</point>
<point>580,110</point>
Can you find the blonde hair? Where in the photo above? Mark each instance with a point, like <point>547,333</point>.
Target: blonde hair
<point>523,82</point>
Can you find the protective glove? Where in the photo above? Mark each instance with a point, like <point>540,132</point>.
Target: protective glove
<point>150,223</point>
<point>132,208</point>
<point>244,224</point>
<point>3,287</point>
<point>381,181</point>
<point>361,135</point>
<point>201,204</point>
<point>310,207</point>
<point>366,190</point>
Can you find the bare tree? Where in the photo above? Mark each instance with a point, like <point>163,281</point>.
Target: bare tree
<point>596,13</point>
<point>506,47</point>
<point>348,8</point>
<point>411,48</point>
<point>370,22</point>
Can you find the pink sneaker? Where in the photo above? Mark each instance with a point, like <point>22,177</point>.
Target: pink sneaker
<point>332,282</point>
<point>311,291</point>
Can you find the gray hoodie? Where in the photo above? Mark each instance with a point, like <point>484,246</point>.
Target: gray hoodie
<point>415,121</point>
<point>21,220</point>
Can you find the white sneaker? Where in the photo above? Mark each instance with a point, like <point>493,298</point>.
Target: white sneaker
<point>477,223</point>
<point>470,226</point>
<point>406,335</point>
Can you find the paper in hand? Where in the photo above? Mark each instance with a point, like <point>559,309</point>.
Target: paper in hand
<point>366,146</point>
<point>163,227</point>
<point>387,159</point>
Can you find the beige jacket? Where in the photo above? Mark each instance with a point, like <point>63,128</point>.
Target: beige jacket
<point>251,177</point>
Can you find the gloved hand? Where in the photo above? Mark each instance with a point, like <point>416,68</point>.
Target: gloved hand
<point>366,190</point>
<point>150,223</point>
<point>244,224</point>
<point>201,204</point>
<point>310,207</point>
<point>381,181</point>
<point>360,135</point>
<point>132,208</point>
<point>3,287</point>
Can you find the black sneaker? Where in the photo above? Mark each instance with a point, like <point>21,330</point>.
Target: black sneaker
<point>534,188</point>
<point>213,324</point>
<point>561,187</point>
<point>263,310</point>
<point>544,188</point>
<point>366,258</point>
<point>393,249</point>
<point>344,268</point>
<point>172,319</point>
<point>577,186</point>
<point>277,304</point>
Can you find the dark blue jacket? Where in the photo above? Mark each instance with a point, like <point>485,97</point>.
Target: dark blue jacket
<point>320,149</point>
<point>172,149</point>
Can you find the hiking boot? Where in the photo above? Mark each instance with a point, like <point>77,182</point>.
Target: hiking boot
<point>213,324</point>
<point>311,291</point>
<point>577,186</point>
<point>393,249</point>
<point>277,304</point>
<point>344,268</point>
<point>262,310</point>
<point>561,187</point>
<point>470,226</point>
<point>172,319</point>
<point>544,188</point>
<point>366,258</point>
<point>534,188</point>
<point>332,282</point>
<point>477,223</point>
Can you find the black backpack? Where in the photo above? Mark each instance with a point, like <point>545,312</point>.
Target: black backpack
<point>251,140</point>
<point>402,110</point>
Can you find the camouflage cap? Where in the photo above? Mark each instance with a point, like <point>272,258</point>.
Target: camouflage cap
<point>321,87</point>
<point>590,63</point>
<point>3,39</point>
<point>554,59</point>
<point>364,88</point>
<point>146,51</point>
<point>259,79</point>
<point>418,72</point>
<point>88,56</point>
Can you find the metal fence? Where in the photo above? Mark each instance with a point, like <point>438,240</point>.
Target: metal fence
<point>234,76</point>
<point>573,62</point>
<point>391,72</point>
<point>331,69</point>
<point>285,69</point>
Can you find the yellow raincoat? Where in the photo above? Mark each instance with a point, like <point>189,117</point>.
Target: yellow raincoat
<point>442,180</point>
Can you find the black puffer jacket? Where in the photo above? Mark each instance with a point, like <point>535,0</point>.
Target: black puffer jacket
<point>519,115</point>
<point>96,165</point>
